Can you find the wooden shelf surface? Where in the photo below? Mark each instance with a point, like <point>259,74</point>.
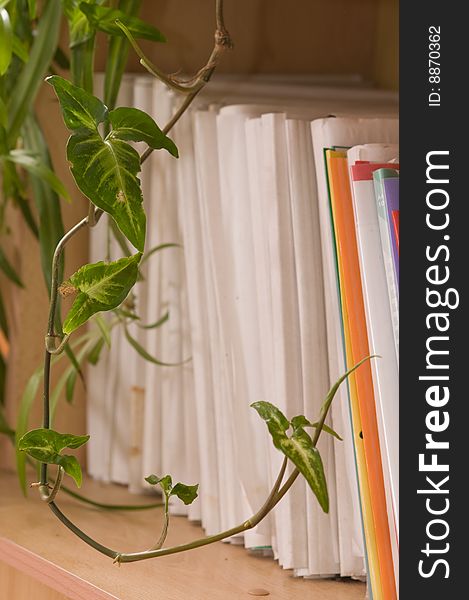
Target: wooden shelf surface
<point>34,542</point>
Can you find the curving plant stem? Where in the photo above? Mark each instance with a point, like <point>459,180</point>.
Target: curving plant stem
<point>222,41</point>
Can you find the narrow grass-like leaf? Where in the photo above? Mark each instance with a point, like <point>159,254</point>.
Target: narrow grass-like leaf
<point>32,7</point>
<point>20,49</point>
<point>26,404</point>
<point>101,287</point>
<point>3,115</point>
<point>70,386</point>
<point>6,41</point>
<point>157,324</point>
<point>137,126</point>
<point>155,249</point>
<point>46,200</point>
<point>34,165</point>
<point>42,51</point>
<point>120,238</point>
<point>144,354</point>
<point>118,51</point>
<point>8,270</point>
<point>23,205</point>
<point>3,317</point>
<point>104,328</point>
<point>95,352</point>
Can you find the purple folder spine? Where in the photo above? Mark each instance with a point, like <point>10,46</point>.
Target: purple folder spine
<point>391,194</point>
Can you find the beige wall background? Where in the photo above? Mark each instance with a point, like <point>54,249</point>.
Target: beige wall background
<point>271,36</point>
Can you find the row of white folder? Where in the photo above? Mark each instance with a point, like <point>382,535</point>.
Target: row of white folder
<point>252,300</point>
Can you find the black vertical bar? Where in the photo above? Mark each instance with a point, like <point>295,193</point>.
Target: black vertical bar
<point>434,561</point>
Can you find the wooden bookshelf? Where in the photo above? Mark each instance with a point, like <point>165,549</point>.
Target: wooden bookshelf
<point>41,559</point>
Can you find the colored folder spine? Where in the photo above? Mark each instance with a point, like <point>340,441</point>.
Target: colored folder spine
<point>357,348</point>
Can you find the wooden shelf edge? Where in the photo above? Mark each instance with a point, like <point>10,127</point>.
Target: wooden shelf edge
<point>49,574</point>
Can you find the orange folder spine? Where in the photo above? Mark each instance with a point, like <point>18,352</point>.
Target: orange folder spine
<point>344,224</point>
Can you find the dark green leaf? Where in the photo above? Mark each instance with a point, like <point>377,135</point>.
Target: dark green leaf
<point>117,56</point>
<point>46,200</point>
<point>70,386</point>
<point>3,117</point>
<point>101,286</point>
<point>3,317</point>
<point>34,165</point>
<point>31,77</point>
<point>186,493</point>
<point>23,205</point>
<point>137,126</point>
<point>32,6</point>
<point>6,41</point>
<point>95,352</point>
<point>8,270</point>
<point>20,49</point>
<point>106,172</point>
<point>104,19</point>
<point>61,59</point>
<point>80,109</point>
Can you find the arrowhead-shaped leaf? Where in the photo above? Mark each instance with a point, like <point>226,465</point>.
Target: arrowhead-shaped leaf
<point>101,286</point>
<point>80,110</point>
<point>137,126</point>
<point>302,421</point>
<point>106,172</point>
<point>276,421</point>
<point>166,483</point>
<point>104,19</point>
<point>186,493</point>
<point>71,466</point>
<point>46,445</point>
<point>306,458</point>
<point>298,448</point>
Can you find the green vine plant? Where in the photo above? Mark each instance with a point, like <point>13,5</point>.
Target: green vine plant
<point>105,167</point>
